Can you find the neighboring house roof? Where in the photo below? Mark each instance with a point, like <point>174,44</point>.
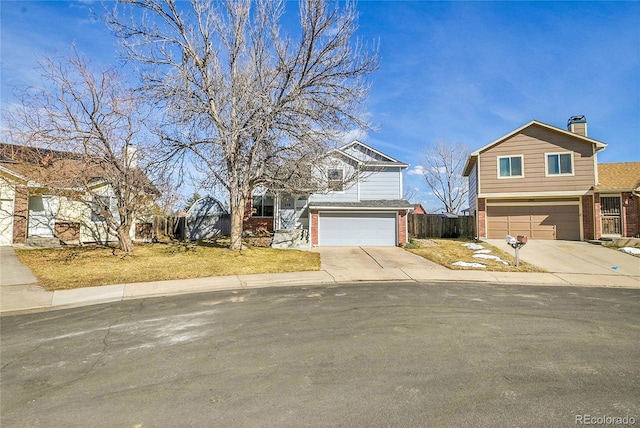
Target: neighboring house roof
<point>619,176</point>
<point>418,209</point>
<point>473,157</point>
<point>390,204</point>
<point>44,168</point>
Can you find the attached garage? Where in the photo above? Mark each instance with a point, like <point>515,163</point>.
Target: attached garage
<point>357,229</point>
<point>535,220</point>
<point>6,222</point>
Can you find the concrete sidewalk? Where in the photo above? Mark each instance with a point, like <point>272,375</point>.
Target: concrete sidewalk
<point>16,298</point>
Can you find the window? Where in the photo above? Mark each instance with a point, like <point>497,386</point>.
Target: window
<point>102,203</point>
<point>335,179</point>
<point>559,164</point>
<point>262,206</point>
<point>510,166</point>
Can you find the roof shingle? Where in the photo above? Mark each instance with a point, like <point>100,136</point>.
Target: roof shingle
<point>618,176</point>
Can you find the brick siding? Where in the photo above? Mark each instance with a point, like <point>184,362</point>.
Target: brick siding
<point>631,215</point>
<point>20,214</point>
<point>67,231</point>
<point>402,227</point>
<point>481,216</point>
<point>314,227</point>
<point>597,223</point>
<point>587,217</point>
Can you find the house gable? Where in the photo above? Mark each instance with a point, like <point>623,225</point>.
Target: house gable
<point>532,145</point>
<point>371,174</point>
<point>367,154</point>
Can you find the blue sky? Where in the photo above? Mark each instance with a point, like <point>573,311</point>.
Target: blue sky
<point>464,72</point>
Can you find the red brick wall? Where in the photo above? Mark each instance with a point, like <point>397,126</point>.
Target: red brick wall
<point>596,216</point>
<point>314,227</point>
<point>20,213</point>
<point>481,217</point>
<point>587,217</point>
<point>255,223</point>
<point>630,215</point>
<point>402,227</point>
<point>67,231</point>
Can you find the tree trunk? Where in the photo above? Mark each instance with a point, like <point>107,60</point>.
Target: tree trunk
<point>237,220</point>
<point>126,244</point>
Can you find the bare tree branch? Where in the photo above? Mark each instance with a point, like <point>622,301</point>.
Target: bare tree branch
<point>94,126</point>
<point>253,105</point>
<point>442,169</point>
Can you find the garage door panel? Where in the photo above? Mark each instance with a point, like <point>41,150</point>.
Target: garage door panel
<point>534,221</point>
<point>355,229</point>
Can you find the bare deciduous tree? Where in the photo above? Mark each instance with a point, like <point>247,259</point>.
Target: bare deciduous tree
<point>90,127</point>
<point>442,169</point>
<point>253,105</point>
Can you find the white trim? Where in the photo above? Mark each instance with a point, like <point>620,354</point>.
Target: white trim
<point>341,168</point>
<point>354,142</point>
<point>611,195</point>
<point>357,209</point>
<point>507,177</point>
<point>536,194</point>
<point>595,168</point>
<point>530,204</point>
<point>559,174</point>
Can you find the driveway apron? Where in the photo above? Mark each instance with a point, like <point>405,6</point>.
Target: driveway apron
<point>575,257</point>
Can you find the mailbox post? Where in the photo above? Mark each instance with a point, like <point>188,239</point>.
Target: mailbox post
<point>517,243</point>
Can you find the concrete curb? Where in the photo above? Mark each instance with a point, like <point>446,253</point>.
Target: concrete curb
<point>28,298</point>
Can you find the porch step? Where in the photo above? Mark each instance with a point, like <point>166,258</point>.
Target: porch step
<point>42,242</point>
<point>291,238</point>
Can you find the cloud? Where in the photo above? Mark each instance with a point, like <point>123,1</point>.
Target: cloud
<point>416,170</point>
<point>354,134</point>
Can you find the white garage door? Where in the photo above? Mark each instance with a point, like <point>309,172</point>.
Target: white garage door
<point>357,229</point>
<point>6,222</point>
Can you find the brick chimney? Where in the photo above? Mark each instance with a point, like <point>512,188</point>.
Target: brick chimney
<point>577,125</point>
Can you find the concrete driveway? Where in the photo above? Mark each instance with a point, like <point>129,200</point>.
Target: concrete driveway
<point>575,257</point>
<point>373,263</point>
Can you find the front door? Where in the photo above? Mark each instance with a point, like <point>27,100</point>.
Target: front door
<point>287,212</point>
<point>42,213</point>
<point>611,214</point>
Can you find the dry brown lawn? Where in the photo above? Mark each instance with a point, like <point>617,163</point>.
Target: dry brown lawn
<point>448,251</point>
<point>74,267</point>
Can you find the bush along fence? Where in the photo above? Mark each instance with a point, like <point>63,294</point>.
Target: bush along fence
<point>423,226</point>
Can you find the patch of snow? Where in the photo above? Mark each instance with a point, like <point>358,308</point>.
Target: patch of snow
<point>482,252</point>
<point>490,257</point>
<point>630,250</point>
<point>472,265</point>
<point>473,246</point>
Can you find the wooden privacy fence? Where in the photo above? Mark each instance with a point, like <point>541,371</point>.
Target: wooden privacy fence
<point>424,226</point>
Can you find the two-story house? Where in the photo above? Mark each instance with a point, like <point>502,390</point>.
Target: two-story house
<point>543,182</point>
<point>39,198</point>
<point>361,206</point>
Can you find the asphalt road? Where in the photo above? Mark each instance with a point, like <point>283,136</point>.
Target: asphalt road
<point>356,355</point>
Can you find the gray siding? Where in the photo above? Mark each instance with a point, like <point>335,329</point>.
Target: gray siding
<point>383,183</point>
<point>473,190</point>
<point>533,142</point>
<point>363,154</point>
<point>349,194</point>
